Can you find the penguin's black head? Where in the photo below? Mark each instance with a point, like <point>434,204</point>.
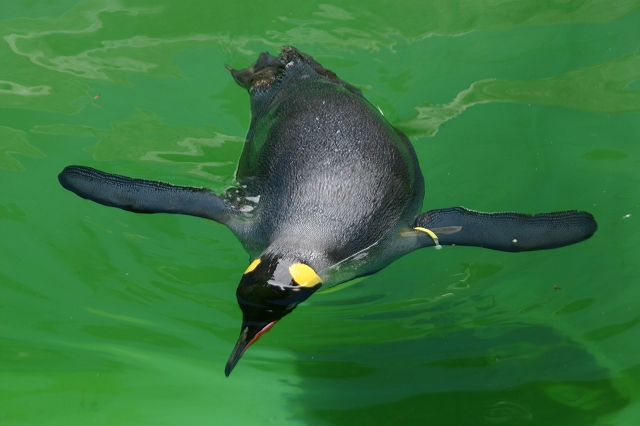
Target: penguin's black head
<point>270,288</point>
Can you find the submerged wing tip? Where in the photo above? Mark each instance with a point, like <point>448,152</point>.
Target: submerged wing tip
<point>65,177</point>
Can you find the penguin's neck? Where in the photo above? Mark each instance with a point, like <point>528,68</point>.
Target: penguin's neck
<point>299,250</point>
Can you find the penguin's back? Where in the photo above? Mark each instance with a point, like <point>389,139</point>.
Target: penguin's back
<point>328,169</point>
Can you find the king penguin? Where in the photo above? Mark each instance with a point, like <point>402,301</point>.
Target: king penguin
<point>327,191</point>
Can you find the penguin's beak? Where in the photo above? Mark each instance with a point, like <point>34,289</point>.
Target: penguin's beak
<point>251,332</point>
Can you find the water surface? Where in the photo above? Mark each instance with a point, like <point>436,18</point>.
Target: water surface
<point>108,317</point>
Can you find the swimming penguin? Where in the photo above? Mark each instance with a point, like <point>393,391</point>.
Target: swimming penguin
<point>327,191</point>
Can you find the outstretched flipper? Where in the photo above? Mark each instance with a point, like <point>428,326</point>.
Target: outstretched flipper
<point>144,196</point>
<point>505,231</point>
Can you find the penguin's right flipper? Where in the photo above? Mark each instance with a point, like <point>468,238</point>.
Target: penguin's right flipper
<point>144,196</point>
<point>504,231</point>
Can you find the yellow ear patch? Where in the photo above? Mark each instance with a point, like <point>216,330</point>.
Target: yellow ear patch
<point>304,275</point>
<point>252,266</point>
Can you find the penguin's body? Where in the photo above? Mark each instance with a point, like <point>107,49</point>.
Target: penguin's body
<point>332,176</point>
<point>327,191</point>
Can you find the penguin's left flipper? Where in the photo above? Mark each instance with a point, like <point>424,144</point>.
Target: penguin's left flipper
<point>504,231</point>
<point>144,196</point>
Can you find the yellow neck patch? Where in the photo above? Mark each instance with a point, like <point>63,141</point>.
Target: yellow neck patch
<point>252,266</point>
<point>304,275</point>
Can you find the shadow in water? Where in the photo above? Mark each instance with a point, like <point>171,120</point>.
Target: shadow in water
<point>491,374</point>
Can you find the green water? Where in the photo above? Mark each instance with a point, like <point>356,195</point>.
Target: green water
<point>112,318</point>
